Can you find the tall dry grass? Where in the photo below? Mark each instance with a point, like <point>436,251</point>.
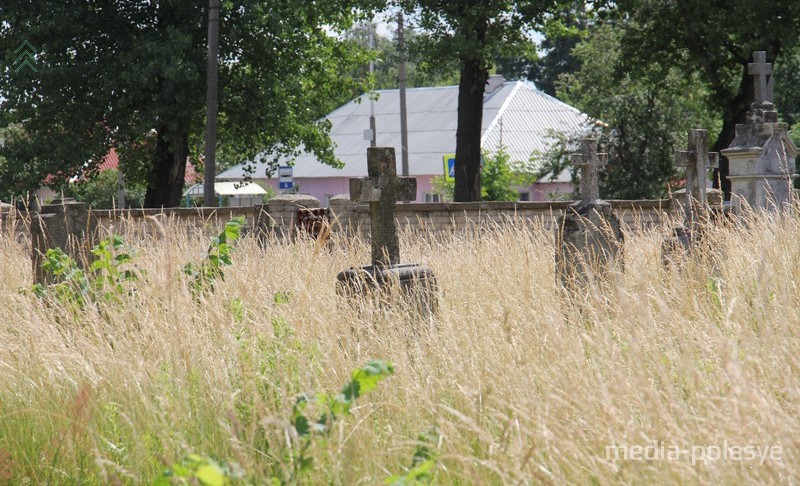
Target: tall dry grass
<point>524,383</point>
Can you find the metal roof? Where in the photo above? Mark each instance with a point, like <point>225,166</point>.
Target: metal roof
<point>516,114</point>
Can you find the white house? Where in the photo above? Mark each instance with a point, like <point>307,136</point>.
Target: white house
<point>515,115</point>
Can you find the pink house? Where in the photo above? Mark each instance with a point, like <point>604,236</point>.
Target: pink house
<point>516,116</point>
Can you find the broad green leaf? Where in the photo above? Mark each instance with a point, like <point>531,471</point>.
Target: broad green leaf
<point>210,475</point>
<point>366,378</point>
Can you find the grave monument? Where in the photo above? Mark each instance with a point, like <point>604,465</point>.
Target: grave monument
<point>386,278</point>
<point>589,240</point>
<point>64,224</point>
<point>761,156</point>
<point>697,161</point>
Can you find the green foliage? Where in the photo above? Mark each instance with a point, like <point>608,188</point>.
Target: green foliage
<point>282,297</point>
<point>715,49</point>
<point>498,178</point>
<point>556,158</point>
<point>327,409</point>
<point>643,118</point>
<point>107,276</point>
<point>194,469</point>
<point>426,455</point>
<point>794,133</point>
<point>719,46</point>
<point>444,187</point>
<point>280,71</point>
<point>71,285</point>
<point>562,32</point>
<point>474,34</point>
<point>420,71</point>
<point>237,310</point>
<point>787,77</point>
<point>218,255</point>
<point>105,280</point>
<point>100,191</point>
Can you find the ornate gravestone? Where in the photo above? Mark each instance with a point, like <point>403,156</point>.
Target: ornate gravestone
<point>590,238</point>
<point>761,156</point>
<point>697,160</point>
<point>64,224</point>
<point>386,277</point>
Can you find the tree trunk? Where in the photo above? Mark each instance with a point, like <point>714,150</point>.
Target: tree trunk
<point>735,112</point>
<point>165,185</point>
<point>471,88</point>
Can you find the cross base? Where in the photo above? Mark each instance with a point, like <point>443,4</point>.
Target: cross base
<point>589,245</point>
<point>405,285</point>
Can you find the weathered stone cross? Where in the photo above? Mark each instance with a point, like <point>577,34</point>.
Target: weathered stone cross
<point>762,73</point>
<point>697,160</point>
<point>382,189</point>
<point>589,162</point>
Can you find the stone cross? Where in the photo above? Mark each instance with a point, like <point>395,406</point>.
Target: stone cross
<point>382,189</point>
<point>697,161</point>
<point>589,162</point>
<point>762,73</point>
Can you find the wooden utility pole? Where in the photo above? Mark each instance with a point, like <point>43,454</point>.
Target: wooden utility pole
<point>372,125</point>
<point>212,82</point>
<point>401,83</point>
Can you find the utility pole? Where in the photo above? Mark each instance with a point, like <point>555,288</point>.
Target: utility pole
<point>373,141</point>
<point>401,83</point>
<point>212,81</point>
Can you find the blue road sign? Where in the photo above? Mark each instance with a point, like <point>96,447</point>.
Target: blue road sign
<point>449,167</point>
<point>285,178</point>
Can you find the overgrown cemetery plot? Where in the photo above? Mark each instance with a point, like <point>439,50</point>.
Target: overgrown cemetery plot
<point>539,353</point>
<point>266,374</point>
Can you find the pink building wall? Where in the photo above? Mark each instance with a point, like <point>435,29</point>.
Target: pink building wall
<point>323,188</point>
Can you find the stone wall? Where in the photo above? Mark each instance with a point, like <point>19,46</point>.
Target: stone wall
<point>279,216</point>
<point>438,217</point>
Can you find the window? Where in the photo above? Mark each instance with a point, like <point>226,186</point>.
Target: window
<point>524,196</point>
<point>432,197</point>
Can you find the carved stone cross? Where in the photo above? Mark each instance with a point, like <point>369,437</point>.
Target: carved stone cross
<point>697,160</point>
<point>382,189</point>
<point>761,71</point>
<point>589,162</point>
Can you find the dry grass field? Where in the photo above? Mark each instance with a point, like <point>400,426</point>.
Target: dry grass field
<point>514,381</point>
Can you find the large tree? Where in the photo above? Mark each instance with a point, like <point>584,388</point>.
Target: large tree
<point>420,70</point>
<point>716,39</point>
<point>474,32</point>
<point>132,75</point>
<point>642,118</point>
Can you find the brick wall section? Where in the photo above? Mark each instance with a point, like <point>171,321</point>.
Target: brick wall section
<point>280,213</point>
<point>154,221</point>
<point>438,217</point>
<point>279,216</point>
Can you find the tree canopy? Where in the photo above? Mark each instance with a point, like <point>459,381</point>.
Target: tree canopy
<point>474,33</point>
<point>642,118</point>
<point>132,75</point>
<point>714,40</point>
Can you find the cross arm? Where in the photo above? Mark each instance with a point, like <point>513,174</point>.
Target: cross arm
<point>363,189</point>
<point>713,160</point>
<point>682,157</point>
<point>406,188</point>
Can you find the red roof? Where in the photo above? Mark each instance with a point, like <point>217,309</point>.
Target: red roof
<point>111,162</point>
